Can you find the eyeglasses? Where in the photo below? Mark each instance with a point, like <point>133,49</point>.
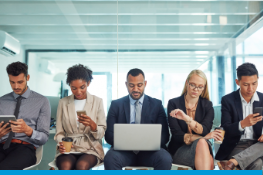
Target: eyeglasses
<point>193,87</point>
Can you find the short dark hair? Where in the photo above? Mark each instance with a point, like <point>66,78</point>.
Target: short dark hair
<point>17,68</point>
<point>135,72</point>
<point>77,72</point>
<point>246,69</point>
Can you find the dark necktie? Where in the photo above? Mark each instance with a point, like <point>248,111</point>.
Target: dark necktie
<point>11,134</point>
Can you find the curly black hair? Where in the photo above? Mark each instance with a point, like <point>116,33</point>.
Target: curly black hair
<point>77,72</point>
<point>246,69</point>
<point>17,68</point>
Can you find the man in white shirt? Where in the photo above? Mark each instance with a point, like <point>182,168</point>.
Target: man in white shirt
<point>243,138</point>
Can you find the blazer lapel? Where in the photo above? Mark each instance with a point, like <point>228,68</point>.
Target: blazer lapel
<point>182,104</point>
<point>72,114</point>
<point>257,104</point>
<point>238,105</point>
<point>145,116</point>
<point>182,107</point>
<point>87,108</point>
<point>198,111</point>
<point>126,106</point>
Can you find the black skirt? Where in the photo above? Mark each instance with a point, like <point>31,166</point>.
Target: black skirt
<point>185,155</point>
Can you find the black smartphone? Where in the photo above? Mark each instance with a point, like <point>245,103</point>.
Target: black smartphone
<point>258,110</point>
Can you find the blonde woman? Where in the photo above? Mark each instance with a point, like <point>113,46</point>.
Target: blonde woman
<point>190,120</point>
<point>86,130</point>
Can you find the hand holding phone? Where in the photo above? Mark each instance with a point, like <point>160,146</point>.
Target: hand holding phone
<point>252,119</point>
<point>258,110</point>
<point>81,112</point>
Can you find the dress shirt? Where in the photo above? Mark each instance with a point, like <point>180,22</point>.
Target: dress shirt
<point>247,109</point>
<point>34,110</point>
<point>133,108</point>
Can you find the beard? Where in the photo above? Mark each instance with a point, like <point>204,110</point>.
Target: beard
<point>23,91</point>
<point>134,98</point>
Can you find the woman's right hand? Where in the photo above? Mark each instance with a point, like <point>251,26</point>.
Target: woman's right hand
<point>179,114</point>
<point>61,148</point>
<point>216,134</point>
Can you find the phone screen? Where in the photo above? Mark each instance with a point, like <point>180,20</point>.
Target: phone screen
<point>81,112</point>
<point>258,110</point>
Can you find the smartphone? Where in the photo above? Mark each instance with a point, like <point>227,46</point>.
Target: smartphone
<point>258,110</point>
<point>81,112</point>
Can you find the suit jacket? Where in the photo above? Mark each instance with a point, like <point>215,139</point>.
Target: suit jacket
<point>152,112</point>
<point>232,114</point>
<point>84,140</point>
<point>204,115</point>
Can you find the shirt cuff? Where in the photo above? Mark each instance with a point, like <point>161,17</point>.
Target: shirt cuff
<point>240,128</point>
<point>34,134</point>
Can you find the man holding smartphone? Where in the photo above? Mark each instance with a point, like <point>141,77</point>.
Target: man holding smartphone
<point>18,143</point>
<point>242,145</point>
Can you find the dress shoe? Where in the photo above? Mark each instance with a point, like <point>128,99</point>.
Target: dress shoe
<point>226,165</point>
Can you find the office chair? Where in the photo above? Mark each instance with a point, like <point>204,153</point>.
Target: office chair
<point>39,155</point>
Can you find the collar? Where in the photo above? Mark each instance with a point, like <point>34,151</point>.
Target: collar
<point>132,101</point>
<point>254,98</point>
<point>24,95</point>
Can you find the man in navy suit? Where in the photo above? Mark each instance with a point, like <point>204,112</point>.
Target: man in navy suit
<point>243,138</point>
<point>137,108</point>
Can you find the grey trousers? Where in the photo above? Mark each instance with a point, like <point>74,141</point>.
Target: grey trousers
<point>248,154</point>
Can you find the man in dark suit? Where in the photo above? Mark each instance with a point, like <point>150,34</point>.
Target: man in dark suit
<point>243,138</point>
<point>137,108</point>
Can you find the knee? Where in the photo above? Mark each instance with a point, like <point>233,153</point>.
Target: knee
<point>111,159</point>
<point>164,159</point>
<point>65,166</point>
<point>82,166</point>
<point>257,164</point>
<point>202,145</point>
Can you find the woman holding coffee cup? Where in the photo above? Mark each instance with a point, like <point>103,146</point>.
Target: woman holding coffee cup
<point>190,118</point>
<point>81,124</point>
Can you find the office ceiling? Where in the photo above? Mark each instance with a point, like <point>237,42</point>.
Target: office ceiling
<point>175,34</point>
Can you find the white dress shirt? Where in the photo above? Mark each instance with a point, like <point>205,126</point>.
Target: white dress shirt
<point>247,109</point>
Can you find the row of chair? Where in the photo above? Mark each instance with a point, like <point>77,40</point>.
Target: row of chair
<point>216,122</point>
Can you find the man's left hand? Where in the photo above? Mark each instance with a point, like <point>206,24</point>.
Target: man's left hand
<point>260,139</point>
<point>20,126</point>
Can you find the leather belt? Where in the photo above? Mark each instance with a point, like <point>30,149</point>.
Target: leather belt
<point>19,141</point>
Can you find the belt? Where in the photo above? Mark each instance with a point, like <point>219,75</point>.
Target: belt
<point>19,141</point>
<point>247,140</point>
<point>75,135</point>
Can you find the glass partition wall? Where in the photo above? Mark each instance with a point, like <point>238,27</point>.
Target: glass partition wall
<point>166,39</point>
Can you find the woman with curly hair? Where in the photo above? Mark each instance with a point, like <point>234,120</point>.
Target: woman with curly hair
<point>85,130</point>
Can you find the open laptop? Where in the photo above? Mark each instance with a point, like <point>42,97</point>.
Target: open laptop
<point>137,137</point>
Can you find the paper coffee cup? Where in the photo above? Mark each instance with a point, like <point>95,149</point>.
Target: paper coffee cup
<point>222,134</point>
<point>67,143</point>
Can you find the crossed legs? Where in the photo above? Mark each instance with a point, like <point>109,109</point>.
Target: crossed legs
<point>248,156</point>
<point>203,159</point>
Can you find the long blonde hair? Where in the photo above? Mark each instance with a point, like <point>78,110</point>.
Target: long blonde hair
<point>205,93</point>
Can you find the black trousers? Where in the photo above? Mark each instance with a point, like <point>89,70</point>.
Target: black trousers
<point>17,156</point>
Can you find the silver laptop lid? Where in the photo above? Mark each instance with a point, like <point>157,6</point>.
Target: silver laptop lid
<point>137,137</point>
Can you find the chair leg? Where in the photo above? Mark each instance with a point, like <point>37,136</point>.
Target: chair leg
<point>181,168</point>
